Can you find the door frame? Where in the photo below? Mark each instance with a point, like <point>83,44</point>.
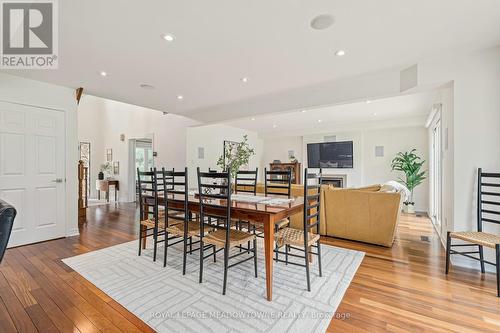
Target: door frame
<point>436,176</point>
<point>131,197</point>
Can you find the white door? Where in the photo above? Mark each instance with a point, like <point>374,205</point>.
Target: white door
<point>32,171</point>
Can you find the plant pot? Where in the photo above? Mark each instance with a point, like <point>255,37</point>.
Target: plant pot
<point>409,208</point>
<point>100,176</point>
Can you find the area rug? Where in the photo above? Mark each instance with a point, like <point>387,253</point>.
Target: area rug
<point>170,302</point>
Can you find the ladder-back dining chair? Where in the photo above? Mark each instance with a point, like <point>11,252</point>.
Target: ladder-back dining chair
<point>216,203</point>
<point>488,211</point>
<point>304,240</point>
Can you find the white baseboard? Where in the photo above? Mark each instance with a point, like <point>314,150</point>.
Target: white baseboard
<point>72,232</point>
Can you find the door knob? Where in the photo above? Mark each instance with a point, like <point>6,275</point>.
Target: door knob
<point>57,180</point>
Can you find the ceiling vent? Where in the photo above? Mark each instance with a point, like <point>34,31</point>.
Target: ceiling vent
<point>330,138</point>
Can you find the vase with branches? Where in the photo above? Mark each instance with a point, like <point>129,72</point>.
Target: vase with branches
<point>411,165</point>
<point>235,156</point>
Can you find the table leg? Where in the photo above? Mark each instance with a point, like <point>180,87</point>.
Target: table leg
<point>98,194</point>
<point>107,195</point>
<point>268,252</point>
<point>116,192</point>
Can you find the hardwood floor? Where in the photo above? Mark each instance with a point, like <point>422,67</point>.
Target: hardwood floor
<point>399,289</point>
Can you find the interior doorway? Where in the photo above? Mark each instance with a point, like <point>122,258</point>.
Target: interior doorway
<point>140,157</point>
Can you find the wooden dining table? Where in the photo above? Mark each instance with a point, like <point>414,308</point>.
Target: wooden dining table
<point>258,213</point>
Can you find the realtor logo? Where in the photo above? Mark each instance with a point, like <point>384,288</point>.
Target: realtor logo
<point>29,34</point>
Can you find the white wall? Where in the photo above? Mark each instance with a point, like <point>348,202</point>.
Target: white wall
<point>476,128</point>
<point>367,169</point>
<point>211,138</point>
<point>277,149</point>
<point>101,121</point>
<point>23,91</point>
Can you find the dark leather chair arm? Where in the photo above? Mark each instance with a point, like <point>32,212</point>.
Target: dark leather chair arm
<point>7,216</point>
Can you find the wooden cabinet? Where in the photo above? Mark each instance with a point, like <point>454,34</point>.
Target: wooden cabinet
<point>295,167</point>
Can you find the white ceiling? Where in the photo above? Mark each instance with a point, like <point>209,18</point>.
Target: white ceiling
<point>271,42</point>
<point>404,108</point>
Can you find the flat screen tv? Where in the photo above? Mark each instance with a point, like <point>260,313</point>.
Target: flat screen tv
<point>330,155</point>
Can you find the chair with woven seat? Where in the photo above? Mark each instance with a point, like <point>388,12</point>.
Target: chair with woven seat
<point>176,188</point>
<point>488,211</point>
<point>246,182</point>
<point>304,240</point>
<point>214,192</point>
<point>278,182</point>
<point>150,222</point>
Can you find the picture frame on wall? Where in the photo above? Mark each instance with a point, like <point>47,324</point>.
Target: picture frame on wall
<point>109,155</point>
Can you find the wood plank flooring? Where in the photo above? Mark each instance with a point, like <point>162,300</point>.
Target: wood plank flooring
<point>398,290</point>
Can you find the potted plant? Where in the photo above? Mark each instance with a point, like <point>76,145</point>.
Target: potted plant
<point>235,156</point>
<point>411,164</point>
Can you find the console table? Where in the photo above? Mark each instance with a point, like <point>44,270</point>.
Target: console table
<point>103,185</point>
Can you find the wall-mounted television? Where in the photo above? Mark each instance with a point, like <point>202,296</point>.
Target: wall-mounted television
<point>330,155</point>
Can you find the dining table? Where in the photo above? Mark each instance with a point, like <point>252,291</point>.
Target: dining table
<point>252,210</point>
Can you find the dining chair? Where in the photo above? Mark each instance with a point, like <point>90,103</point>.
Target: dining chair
<point>177,190</point>
<point>216,203</point>
<point>304,240</point>
<point>150,222</point>
<point>246,181</point>
<point>488,211</point>
<point>278,182</point>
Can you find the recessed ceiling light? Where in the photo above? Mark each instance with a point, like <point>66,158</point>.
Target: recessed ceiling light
<point>340,53</point>
<point>368,101</point>
<point>322,22</point>
<point>180,97</point>
<point>103,74</point>
<point>253,118</point>
<point>319,120</point>
<point>274,126</point>
<point>146,86</point>
<point>303,111</point>
<point>374,113</point>
<point>168,37</point>
<point>244,79</point>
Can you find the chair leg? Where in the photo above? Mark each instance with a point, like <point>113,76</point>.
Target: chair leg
<point>166,248</point>
<point>184,257</point>
<point>481,258</point>
<point>201,260</point>
<point>306,253</point>
<point>226,261</point>
<point>140,239</point>
<point>214,253</point>
<point>319,259</point>
<point>254,255</point>
<point>497,250</point>
<point>286,254</point>
<point>190,245</point>
<point>276,244</point>
<point>155,240</point>
<point>448,248</point>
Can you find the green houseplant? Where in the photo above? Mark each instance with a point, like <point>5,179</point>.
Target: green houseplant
<point>236,155</point>
<point>411,164</point>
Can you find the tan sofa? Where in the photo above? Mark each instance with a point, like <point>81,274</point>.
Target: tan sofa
<point>363,214</point>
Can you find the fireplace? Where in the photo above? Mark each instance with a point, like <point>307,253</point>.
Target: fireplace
<point>335,180</point>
